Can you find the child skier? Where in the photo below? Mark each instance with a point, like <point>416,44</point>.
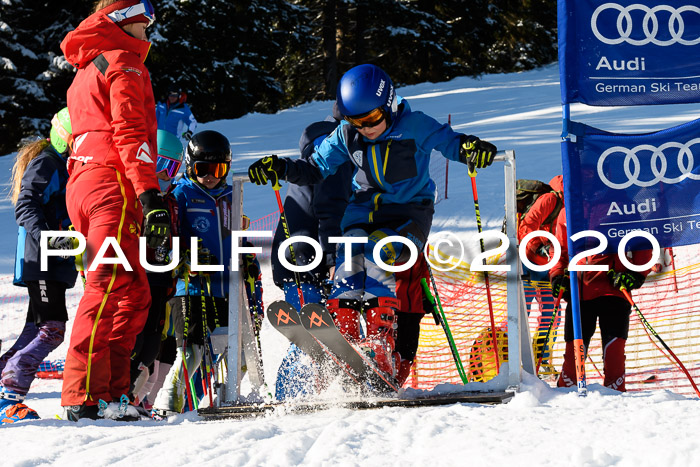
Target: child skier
<point>39,179</point>
<point>390,146</point>
<point>204,201</point>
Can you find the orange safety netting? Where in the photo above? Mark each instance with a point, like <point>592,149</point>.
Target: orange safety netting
<point>667,301</point>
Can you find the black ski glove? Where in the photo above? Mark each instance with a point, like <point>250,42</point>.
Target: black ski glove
<point>629,280</point>
<point>156,224</point>
<point>268,168</point>
<point>560,282</point>
<point>477,154</point>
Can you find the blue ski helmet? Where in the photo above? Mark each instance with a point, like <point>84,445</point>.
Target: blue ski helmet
<point>365,88</point>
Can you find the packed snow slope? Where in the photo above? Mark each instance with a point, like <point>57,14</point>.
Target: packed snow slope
<point>539,426</point>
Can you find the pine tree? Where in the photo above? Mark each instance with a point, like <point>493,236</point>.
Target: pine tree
<point>222,53</point>
<point>34,75</point>
<point>526,36</point>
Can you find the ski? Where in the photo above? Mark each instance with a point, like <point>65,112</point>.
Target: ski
<point>285,318</point>
<point>319,323</point>
<point>428,400</point>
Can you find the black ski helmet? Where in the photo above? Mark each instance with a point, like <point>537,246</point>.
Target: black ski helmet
<point>208,146</point>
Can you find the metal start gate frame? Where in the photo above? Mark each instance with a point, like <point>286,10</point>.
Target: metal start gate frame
<point>240,328</point>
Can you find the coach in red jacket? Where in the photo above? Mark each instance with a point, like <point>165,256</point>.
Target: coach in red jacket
<point>112,168</point>
<point>602,301</point>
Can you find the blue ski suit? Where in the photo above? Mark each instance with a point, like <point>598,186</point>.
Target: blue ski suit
<point>205,214</point>
<point>393,193</point>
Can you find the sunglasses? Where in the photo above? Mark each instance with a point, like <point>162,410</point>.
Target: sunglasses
<point>368,120</point>
<point>170,166</point>
<point>215,169</point>
<point>144,8</point>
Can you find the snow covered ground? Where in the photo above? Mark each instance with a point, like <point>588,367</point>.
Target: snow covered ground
<point>539,426</point>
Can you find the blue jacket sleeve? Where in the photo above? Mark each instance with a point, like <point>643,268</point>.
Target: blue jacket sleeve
<point>39,183</point>
<point>430,134</point>
<point>189,120</point>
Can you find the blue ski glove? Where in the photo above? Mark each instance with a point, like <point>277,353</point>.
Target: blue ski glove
<point>629,280</point>
<point>268,168</point>
<point>156,224</point>
<point>477,154</point>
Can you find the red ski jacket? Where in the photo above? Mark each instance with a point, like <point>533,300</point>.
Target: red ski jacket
<point>111,101</point>
<point>534,219</point>
<point>595,284</point>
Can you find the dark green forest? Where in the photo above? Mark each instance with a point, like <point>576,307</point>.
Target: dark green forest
<point>236,57</point>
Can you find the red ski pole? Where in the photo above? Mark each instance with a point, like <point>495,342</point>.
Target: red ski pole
<point>472,175</point>
<point>285,225</point>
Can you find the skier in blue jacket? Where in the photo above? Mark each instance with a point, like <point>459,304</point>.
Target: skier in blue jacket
<point>175,116</point>
<point>204,204</point>
<point>39,179</point>
<point>390,146</point>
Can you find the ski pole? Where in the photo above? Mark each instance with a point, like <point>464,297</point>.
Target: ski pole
<point>206,358</point>
<point>285,225</point>
<point>185,373</point>
<point>253,305</point>
<point>445,327</point>
<point>627,295</point>
<point>472,175</point>
<point>549,329</point>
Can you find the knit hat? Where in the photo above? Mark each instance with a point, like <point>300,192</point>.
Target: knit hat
<point>126,12</point>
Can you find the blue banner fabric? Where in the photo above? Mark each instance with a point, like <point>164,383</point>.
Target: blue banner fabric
<point>629,52</point>
<point>615,184</point>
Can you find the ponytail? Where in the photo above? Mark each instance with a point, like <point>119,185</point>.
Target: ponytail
<point>26,154</point>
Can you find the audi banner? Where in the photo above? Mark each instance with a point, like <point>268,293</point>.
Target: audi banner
<point>616,184</point>
<point>629,52</point>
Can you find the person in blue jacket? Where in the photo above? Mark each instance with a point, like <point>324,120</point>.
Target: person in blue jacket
<point>39,179</point>
<point>314,211</point>
<point>390,146</point>
<point>175,116</point>
<point>203,201</point>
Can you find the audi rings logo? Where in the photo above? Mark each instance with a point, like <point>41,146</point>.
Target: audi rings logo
<point>650,24</point>
<point>632,165</point>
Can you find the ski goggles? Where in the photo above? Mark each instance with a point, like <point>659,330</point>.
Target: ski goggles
<point>144,8</point>
<point>215,169</point>
<point>245,222</point>
<point>368,120</point>
<point>170,166</point>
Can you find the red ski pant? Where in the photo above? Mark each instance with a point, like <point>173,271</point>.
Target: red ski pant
<point>612,313</point>
<point>102,203</point>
